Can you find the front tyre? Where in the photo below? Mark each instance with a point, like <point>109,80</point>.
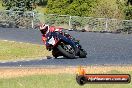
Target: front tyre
<point>67,50</point>
<point>56,53</point>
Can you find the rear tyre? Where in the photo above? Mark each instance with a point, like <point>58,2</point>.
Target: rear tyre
<point>65,52</point>
<point>82,53</point>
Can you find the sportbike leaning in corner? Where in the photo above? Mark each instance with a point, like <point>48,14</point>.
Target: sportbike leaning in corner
<point>61,43</point>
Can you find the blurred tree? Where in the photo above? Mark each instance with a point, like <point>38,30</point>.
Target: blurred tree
<point>42,2</point>
<point>128,10</point>
<point>129,2</point>
<point>19,4</point>
<point>119,9</point>
<point>71,7</point>
<point>109,9</point>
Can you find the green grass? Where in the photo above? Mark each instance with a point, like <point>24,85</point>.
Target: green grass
<point>53,81</point>
<point>17,51</point>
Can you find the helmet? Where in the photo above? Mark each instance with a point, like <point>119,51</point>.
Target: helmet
<point>44,28</point>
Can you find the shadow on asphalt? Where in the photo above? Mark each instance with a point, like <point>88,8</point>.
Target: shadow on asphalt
<point>61,57</point>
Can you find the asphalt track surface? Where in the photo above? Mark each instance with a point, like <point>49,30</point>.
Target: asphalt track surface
<point>102,48</point>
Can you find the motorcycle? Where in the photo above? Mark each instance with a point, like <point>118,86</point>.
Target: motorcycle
<point>62,44</point>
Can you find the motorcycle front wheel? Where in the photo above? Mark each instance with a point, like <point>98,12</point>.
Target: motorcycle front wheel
<point>67,50</point>
<point>82,53</point>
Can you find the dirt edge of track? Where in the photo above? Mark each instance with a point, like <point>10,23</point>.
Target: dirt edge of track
<point>20,72</point>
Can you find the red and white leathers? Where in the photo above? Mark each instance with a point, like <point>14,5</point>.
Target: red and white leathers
<point>47,32</point>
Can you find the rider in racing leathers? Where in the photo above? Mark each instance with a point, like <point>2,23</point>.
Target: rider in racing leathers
<point>46,31</point>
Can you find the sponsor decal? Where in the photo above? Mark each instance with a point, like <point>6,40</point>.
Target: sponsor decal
<point>83,78</point>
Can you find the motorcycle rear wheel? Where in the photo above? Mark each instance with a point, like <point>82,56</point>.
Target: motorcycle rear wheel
<point>82,53</point>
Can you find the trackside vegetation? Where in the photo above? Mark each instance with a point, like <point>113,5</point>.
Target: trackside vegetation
<point>119,9</point>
